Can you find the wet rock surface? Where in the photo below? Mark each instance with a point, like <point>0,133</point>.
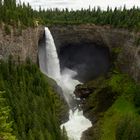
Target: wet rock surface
<point>82,92</point>
<point>96,97</point>
<point>121,43</point>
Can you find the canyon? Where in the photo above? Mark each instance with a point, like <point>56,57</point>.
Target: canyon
<point>118,46</point>
<point>89,50</point>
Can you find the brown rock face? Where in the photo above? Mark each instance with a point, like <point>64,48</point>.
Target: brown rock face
<point>126,43</point>
<point>82,92</point>
<point>118,41</point>
<point>82,50</point>
<point>23,44</point>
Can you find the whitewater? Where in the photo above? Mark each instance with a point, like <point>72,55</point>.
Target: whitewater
<point>49,65</point>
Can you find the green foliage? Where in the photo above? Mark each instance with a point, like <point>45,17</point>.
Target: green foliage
<point>23,15</point>
<point>16,15</point>
<point>111,118</point>
<point>128,128</point>
<point>64,133</point>
<point>5,124</point>
<point>113,97</point>
<point>137,98</point>
<point>116,50</point>
<point>123,84</point>
<point>119,18</point>
<point>35,107</point>
<point>116,81</point>
<point>118,128</point>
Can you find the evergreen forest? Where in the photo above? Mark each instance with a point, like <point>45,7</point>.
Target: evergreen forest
<point>22,15</point>
<point>29,107</point>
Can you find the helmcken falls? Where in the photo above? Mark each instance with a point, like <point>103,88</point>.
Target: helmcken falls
<point>49,65</point>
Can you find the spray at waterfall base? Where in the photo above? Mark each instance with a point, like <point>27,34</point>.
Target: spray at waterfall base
<point>50,65</point>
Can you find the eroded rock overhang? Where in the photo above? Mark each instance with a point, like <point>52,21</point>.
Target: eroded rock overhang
<point>120,46</point>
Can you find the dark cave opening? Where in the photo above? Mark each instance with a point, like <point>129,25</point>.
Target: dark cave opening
<point>89,60</point>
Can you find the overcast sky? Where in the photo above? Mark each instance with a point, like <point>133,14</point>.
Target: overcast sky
<point>78,4</point>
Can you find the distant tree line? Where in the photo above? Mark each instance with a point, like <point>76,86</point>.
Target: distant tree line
<point>120,18</point>
<point>23,14</point>
<point>29,108</point>
<point>15,14</point>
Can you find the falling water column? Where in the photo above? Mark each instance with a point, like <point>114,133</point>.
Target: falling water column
<point>49,65</point>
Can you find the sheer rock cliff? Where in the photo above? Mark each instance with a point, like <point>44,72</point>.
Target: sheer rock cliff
<point>20,43</point>
<point>123,45</point>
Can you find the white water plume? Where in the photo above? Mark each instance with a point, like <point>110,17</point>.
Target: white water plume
<point>76,125</point>
<point>49,65</point>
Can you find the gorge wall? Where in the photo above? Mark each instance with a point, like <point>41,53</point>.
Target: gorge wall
<point>122,45</point>
<point>102,46</point>
<point>20,43</point>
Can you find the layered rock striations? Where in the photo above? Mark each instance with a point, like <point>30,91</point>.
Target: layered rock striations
<point>123,45</point>
<point>20,43</point>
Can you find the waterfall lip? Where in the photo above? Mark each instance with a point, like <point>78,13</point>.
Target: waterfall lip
<point>50,65</point>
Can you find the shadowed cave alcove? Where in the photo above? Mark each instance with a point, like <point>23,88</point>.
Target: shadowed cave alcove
<point>88,59</point>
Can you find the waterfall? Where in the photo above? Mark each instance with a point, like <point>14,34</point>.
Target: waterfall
<point>51,58</point>
<point>49,65</point>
